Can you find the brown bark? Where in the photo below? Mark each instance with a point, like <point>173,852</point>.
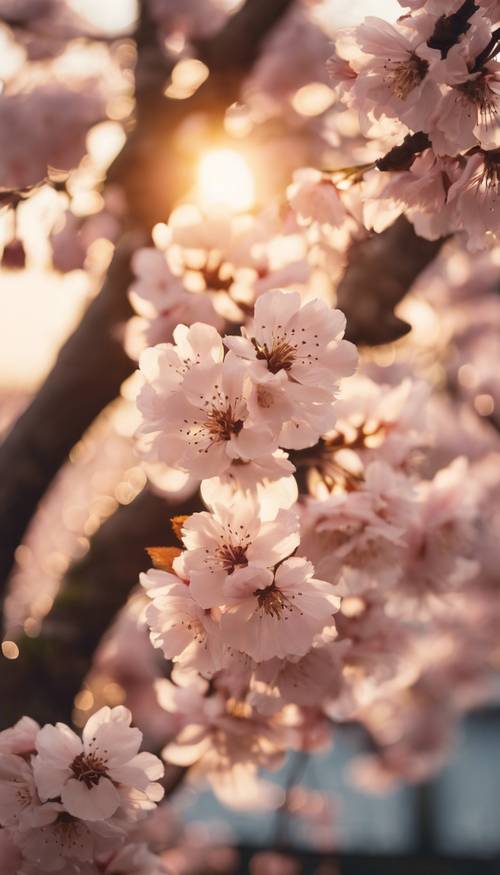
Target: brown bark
<point>86,376</point>
<point>380,271</point>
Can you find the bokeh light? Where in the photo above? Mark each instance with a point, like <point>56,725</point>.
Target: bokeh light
<point>226,181</point>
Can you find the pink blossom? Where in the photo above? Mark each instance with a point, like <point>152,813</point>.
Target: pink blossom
<point>475,198</point>
<point>231,260</point>
<point>19,802</point>
<point>161,303</point>
<point>468,111</point>
<point>278,615</point>
<point>20,738</point>
<point>135,859</point>
<point>186,633</point>
<point>314,198</point>
<point>364,529</point>
<point>442,536</point>
<point>299,349</point>
<point>204,425</point>
<point>380,421</point>
<point>44,128</point>
<point>342,76</point>
<point>304,681</point>
<point>221,544</point>
<point>421,192</point>
<point>304,341</point>
<point>87,774</point>
<point>64,845</point>
<point>223,739</point>
<point>267,480</point>
<point>392,74</point>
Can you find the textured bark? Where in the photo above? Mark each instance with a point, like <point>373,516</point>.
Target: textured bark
<point>380,271</point>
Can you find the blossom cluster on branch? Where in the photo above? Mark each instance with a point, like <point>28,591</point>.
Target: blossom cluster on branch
<point>71,804</point>
<point>286,606</point>
<point>432,80</point>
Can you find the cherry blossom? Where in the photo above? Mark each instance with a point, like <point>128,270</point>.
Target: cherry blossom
<point>300,349</point>
<point>441,539</point>
<point>436,74</point>
<point>315,199</point>
<point>205,424</point>
<point>19,802</point>
<point>54,117</point>
<point>21,738</point>
<point>279,615</point>
<point>267,480</point>
<point>161,303</point>
<point>179,625</point>
<point>475,198</point>
<point>135,859</point>
<point>363,529</point>
<point>87,774</point>
<point>392,71</point>
<point>223,544</point>
<point>223,739</point>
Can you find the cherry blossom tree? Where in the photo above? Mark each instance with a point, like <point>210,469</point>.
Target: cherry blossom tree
<point>291,338</point>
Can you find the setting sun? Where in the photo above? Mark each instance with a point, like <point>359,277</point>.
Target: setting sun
<point>225,180</point>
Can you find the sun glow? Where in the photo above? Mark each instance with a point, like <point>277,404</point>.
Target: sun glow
<point>225,180</point>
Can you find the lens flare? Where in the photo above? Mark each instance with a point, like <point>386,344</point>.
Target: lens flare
<point>225,180</point>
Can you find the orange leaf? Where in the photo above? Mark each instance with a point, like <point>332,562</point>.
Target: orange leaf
<point>163,557</point>
<point>177,523</point>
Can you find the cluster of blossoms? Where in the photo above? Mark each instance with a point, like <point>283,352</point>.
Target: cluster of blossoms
<point>217,408</point>
<point>431,81</point>
<point>281,615</point>
<point>213,269</point>
<point>71,804</point>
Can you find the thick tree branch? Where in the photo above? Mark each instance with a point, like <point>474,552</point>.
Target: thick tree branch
<point>380,271</point>
<point>87,375</point>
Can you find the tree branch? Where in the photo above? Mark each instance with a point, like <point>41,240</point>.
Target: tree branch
<point>87,375</point>
<point>380,271</point>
